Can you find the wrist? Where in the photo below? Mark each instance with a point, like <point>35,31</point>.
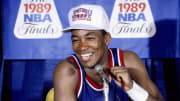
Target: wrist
<point>129,87</point>
<point>137,93</point>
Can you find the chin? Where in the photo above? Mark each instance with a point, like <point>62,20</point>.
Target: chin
<point>88,65</point>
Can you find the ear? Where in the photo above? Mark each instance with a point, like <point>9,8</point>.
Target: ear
<point>107,38</point>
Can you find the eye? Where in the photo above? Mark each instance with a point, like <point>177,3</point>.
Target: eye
<point>91,38</point>
<point>75,40</point>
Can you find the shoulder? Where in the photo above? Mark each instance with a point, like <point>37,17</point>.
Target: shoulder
<point>65,81</point>
<point>131,59</point>
<point>65,68</point>
<point>65,71</point>
<point>129,54</point>
<point>65,75</point>
<point>135,65</point>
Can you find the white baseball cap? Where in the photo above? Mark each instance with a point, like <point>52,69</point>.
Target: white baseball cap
<point>90,17</point>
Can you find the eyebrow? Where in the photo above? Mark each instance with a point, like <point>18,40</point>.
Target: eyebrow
<point>87,34</point>
<point>90,33</point>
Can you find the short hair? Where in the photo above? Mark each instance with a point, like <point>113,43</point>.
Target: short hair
<point>103,32</point>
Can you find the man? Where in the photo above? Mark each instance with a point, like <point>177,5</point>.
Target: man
<point>76,77</point>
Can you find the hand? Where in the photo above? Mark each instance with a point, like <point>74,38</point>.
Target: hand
<point>122,77</point>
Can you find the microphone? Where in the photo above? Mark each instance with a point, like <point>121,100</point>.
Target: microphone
<point>100,70</point>
<point>106,82</point>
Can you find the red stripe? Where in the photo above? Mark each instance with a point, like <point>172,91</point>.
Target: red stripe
<point>110,59</point>
<point>93,83</point>
<point>110,65</point>
<point>79,72</point>
<point>121,57</point>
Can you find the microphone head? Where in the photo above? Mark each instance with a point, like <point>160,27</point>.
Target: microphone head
<point>99,68</point>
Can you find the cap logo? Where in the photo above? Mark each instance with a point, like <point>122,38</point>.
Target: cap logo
<point>82,14</point>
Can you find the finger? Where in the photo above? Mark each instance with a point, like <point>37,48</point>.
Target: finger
<point>118,68</point>
<point>115,71</point>
<point>118,83</point>
<point>120,75</point>
<point>117,76</point>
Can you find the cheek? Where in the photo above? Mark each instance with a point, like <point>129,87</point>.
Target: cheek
<point>75,47</point>
<point>101,48</point>
<point>98,43</point>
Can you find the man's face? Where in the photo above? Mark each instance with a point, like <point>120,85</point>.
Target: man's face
<point>89,46</point>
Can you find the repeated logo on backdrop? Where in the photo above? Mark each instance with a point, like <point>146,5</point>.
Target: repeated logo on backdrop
<point>132,19</point>
<point>37,19</point>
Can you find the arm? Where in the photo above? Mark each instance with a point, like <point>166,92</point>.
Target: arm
<point>65,82</point>
<point>135,70</point>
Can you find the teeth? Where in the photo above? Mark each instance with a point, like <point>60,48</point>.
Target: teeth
<point>87,54</point>
<point>86,57</point>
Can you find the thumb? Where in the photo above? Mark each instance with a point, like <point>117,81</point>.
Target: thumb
<point>118,83</point>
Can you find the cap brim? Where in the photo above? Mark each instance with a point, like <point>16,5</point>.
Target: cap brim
<point>81,26</point>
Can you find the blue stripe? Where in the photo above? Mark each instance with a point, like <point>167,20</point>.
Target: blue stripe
<point>115,56</point>
<point>81,67</point>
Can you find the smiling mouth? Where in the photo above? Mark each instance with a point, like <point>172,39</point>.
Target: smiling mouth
<point>86,56</point>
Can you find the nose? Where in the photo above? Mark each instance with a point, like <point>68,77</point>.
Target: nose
<point>83,46</point>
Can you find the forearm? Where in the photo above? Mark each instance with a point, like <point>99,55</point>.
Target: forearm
<point>137,93</point>
<point>152,98</point>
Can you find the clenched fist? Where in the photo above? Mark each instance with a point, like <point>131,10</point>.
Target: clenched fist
<point>122,77</point>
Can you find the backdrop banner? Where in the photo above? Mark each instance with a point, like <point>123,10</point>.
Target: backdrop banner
<point>32,29</point>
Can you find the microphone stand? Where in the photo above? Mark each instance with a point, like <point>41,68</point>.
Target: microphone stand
<point>106,89</point>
